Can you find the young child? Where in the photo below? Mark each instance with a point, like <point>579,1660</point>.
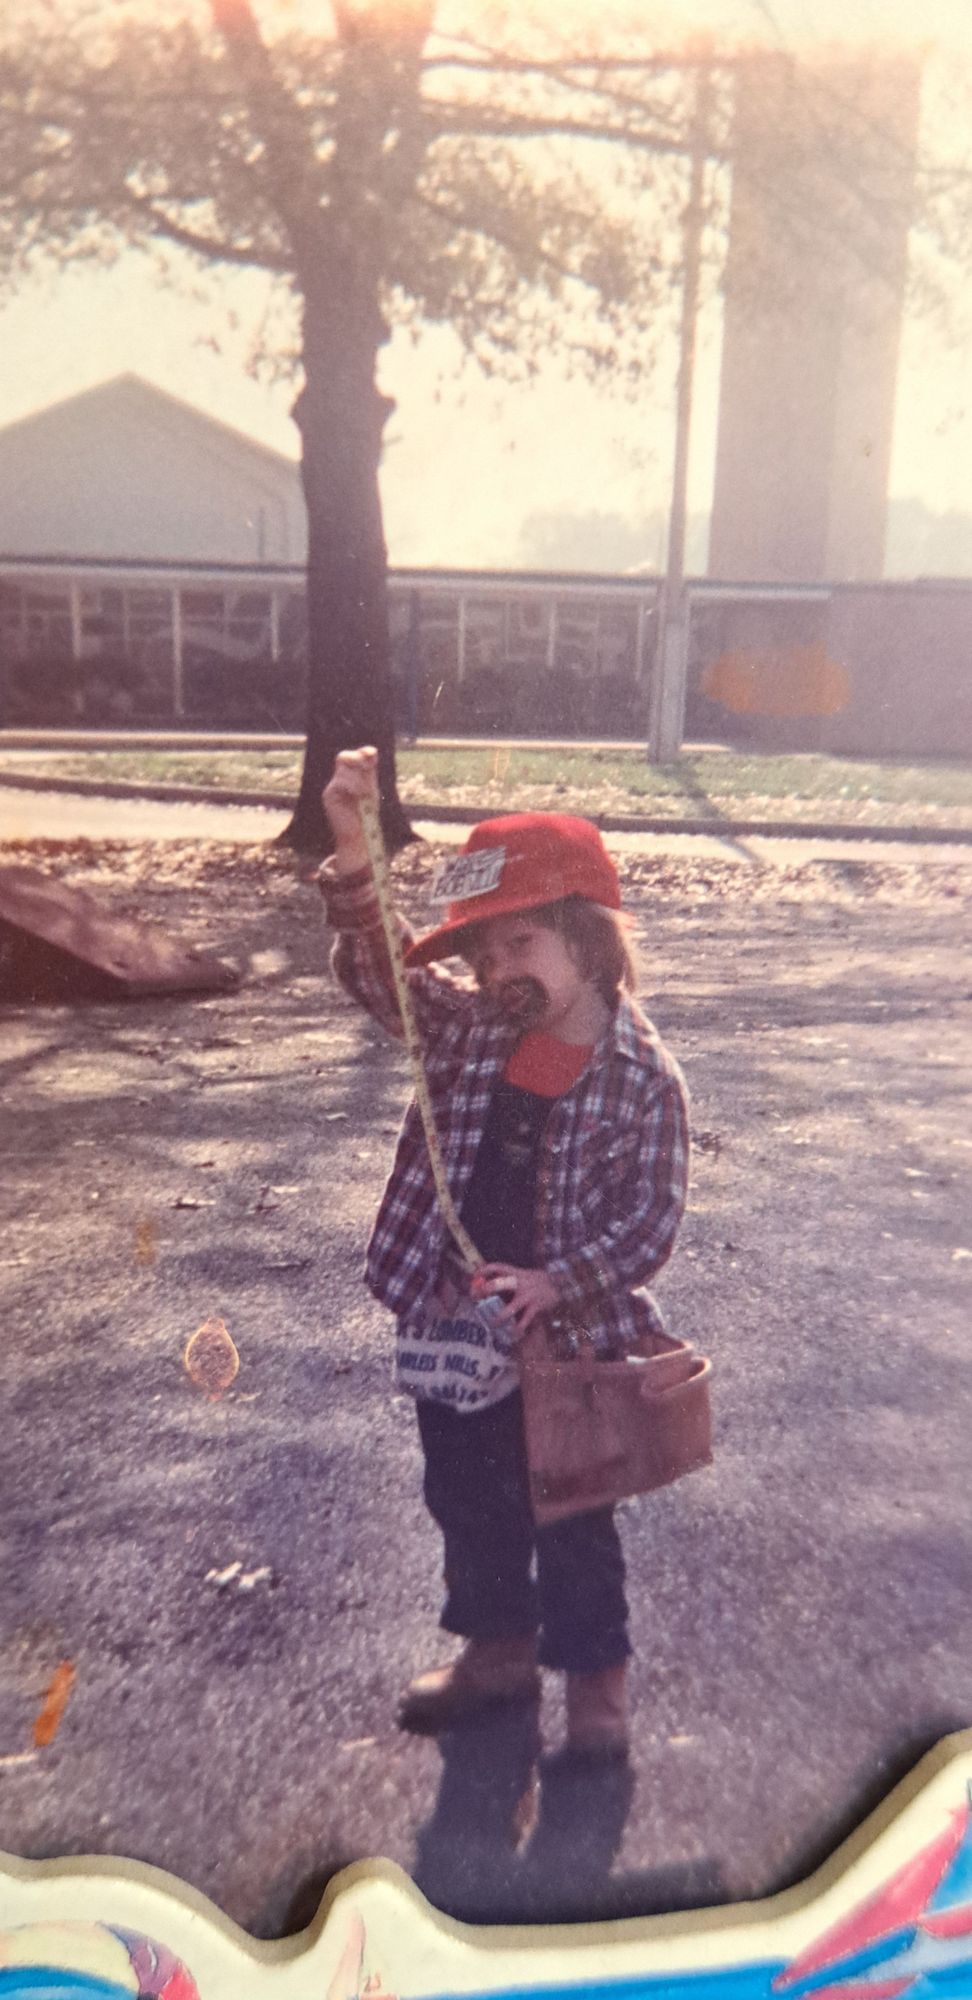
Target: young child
<point>563,1124</point>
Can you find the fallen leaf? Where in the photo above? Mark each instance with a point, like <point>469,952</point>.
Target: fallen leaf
<point>146,1241</point>
<point>211,1360</point>
<point>54,1704</point>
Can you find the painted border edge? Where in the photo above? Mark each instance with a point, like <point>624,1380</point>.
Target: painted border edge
<point>489,1941</point>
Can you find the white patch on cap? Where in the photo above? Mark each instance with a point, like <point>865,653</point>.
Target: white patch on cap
<point>469,875</point>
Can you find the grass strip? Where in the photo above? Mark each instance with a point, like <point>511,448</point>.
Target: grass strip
<point>716,783</point>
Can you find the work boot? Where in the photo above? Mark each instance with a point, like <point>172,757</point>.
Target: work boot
<point>485,1674</point>
<point>597,1715</point>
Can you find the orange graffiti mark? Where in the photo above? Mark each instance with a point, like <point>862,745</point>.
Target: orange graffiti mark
<point>211,1360</point>
<point>55,1702</point>
<point>784,681</point>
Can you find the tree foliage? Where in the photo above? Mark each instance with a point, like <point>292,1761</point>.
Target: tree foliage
<point>477,178</point>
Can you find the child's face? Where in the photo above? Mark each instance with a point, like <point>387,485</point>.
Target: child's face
<point>530,974</point>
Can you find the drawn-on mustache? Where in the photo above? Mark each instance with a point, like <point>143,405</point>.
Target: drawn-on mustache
<point>523,999</point>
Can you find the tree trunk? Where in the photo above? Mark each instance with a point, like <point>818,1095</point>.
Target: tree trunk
<point>341,415</point>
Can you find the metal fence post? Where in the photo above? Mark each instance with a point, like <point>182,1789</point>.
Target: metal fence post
<point>670,677</point>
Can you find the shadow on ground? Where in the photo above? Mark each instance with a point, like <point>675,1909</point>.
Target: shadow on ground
<point>516,1837</point>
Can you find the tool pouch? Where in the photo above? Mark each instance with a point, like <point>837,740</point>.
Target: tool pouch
<point>600,1431</point>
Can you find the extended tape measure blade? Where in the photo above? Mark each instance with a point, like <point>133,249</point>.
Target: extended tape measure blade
<point>371,828</point>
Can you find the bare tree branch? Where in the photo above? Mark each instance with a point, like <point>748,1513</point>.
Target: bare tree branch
<point>290,170</point>
<point>211,249</point>
<point>459,119</point>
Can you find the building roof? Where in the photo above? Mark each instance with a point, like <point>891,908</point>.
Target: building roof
<point>160,404</point>
<point>124,469</point>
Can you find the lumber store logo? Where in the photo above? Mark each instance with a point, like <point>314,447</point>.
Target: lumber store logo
<point>469,875</point>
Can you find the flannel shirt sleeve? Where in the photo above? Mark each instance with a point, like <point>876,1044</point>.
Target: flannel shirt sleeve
<point>652,1187</point>
<point>360,960</point>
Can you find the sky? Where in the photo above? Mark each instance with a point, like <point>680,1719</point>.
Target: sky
<point>467,462</point>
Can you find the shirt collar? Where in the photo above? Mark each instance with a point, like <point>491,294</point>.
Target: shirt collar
<point>625,1032</point>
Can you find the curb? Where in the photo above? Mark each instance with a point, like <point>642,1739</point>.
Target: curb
<point>773,829</point>
<point>120,788</point>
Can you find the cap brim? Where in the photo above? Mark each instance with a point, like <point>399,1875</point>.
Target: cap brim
<point>446,940</point>
<point>442,943</point>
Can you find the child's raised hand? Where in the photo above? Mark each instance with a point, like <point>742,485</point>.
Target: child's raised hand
<point>528,1294</point>
<point>355,777</point>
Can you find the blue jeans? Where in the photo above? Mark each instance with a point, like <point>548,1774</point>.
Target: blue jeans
<point>476,1488</point>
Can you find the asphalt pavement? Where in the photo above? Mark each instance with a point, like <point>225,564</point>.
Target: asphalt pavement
<point>243,1587</point>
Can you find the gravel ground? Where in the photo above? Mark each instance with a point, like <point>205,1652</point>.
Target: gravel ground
<point>802,1612</point>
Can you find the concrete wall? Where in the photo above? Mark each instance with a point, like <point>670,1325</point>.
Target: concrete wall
<point>905,649</point>
<point>908,652</point>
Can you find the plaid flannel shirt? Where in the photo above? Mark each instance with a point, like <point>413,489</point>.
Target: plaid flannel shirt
<point>613,1166</point>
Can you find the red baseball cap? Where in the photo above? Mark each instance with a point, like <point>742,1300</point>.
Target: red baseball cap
<point>518,862</point>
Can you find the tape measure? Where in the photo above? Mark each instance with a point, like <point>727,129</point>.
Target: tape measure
<point>371,828</point>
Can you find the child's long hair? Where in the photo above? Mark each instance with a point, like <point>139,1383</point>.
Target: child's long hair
<point>597,938</point>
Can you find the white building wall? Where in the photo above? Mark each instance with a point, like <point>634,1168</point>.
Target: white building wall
<point>125,470</point>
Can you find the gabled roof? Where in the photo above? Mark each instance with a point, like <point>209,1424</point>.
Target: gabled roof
<point>159,405</point>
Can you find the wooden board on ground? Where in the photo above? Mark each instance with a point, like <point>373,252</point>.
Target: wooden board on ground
<point>61,943</point>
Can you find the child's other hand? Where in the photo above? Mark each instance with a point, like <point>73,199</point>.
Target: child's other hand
<point>355,777</point>
<point>528,1294</point>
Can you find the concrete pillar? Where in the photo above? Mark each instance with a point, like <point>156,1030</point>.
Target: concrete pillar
<point>823,170</point>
